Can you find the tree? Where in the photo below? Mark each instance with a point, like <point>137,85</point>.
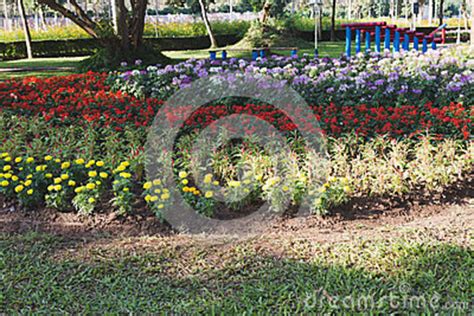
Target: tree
<point>207,23</point>
<point>333,21</point>
<point>26,29</point>
<point>125,41</point>
<point>441,11</point>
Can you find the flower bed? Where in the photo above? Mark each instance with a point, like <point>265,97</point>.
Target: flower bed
<point>439,77</point>
<point>84,99</point>
<point>77,142</point>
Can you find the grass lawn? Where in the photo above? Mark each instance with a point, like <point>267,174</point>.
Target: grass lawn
<point>414,272</point>
<point>36,67</point>
<point>331,49</point>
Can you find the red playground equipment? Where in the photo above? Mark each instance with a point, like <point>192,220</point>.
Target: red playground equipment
<point>399,37</point>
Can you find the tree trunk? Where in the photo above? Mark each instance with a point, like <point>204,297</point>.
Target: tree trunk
<point>26,29</point>
<point>265,12</point>
<point>441,11</point>
<point>349,10</point>
<point>333,21</point>
<point>8,22</point>
<point>207,24</point>
<point>113,6</point>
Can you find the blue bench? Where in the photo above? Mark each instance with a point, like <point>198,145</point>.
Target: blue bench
<point>256,52</point>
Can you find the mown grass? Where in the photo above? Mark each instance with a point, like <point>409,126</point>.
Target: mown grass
<point>35,67</point>
<point>46,274</point>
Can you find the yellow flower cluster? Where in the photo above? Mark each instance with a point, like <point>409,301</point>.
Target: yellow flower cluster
<point>155,193</point>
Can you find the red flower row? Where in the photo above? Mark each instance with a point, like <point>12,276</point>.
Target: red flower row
<point>86,98</point>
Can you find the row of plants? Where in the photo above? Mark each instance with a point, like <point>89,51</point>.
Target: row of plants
<point>172,29</point>
<point>196,28</point>
<point>439,77</point>
<point>69,169</point>
<point>86,99</point>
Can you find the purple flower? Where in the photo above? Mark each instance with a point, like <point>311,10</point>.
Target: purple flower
<point>138,62</point>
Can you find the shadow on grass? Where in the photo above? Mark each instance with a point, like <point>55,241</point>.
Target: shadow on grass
<point>382,277</point>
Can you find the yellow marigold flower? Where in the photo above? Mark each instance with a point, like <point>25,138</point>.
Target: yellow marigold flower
<point>72,183</point>
<point>58,187</point>
<point>98,182</point>
<point>209,194</point>
<point>91,162</point>
<point>7,175</point>
<point>79,189</point>
<point>48,175</point>
<point>154,198</point>
<point>208,178</point>
<point>234,184</point>
<point>196,192</point>
<point>80,161</point>
<point>28,183</point>
<point>7,159</point>
<point>91,200</point>
<point>38,168</point>
<point>125,164</point>
<point>90,186</point>
<point>57,160</point>
<point>186,189</point>
<point>156,182</point>
<point>29,176</point>
<point>29,192</point>
<point>157,191</point>
<point>125,175</point>
<point>48,158</point>
<point>285,188</point>
<point>165,190</point>
<point>183,174</point>
<point>147,198</point>
<point>30,160</point>
<point>327,185</point>
<point>103,175</point>
<point>50,187</point>
<point>1,175</point>
<point>147,185</point>
<point>14,178</point>
<point>100,163</point>
<point>259,177</point>
<point>347,189</point>
<point>7,168</point>
<point>185,181</point>
<point>160,206</point>
<point>21,169</point>
<point>92,174</point>
<point>57,180</point>
<point>126,189</point>
<point>215,182</point>
<point>19,188</point>
<point>18,159</point>
<point>64,176</point>
<point>5,183</point>
<point>65,165</point>
<point>3,155</point>
<point>120,168</point>
<point>165,196</point>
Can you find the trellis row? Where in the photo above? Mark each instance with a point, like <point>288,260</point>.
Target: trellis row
<point>391,36</point>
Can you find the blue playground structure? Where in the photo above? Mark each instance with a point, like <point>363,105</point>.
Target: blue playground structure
<point>392,37</point>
